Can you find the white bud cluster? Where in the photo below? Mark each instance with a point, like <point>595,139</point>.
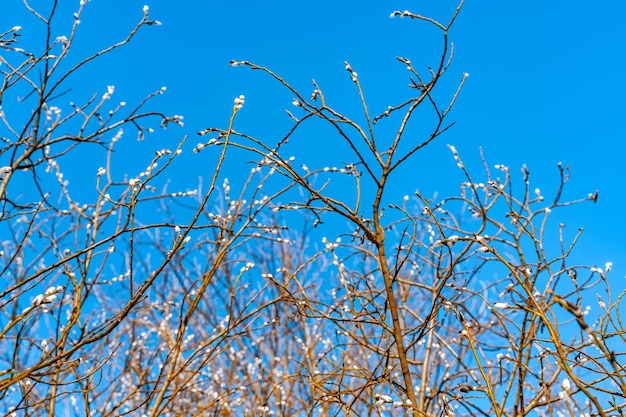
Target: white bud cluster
<point>451,240</point>
<point>200,146</point>
<point>459,163</point>
<point>331,245</point>
<point>239,101</point>
<point>49,296</point>
<point>109,93</point>
<point>353,73</point>
<point>248,266</point>
<point>4,171</point>
<point>405,13</point>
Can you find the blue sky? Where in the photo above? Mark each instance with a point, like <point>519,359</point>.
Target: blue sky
<point>546,82</point>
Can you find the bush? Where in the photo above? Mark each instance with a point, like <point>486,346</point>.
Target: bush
<point>306,289</point>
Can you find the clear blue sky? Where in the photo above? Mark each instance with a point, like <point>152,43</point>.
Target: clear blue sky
<point>546,81</point>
